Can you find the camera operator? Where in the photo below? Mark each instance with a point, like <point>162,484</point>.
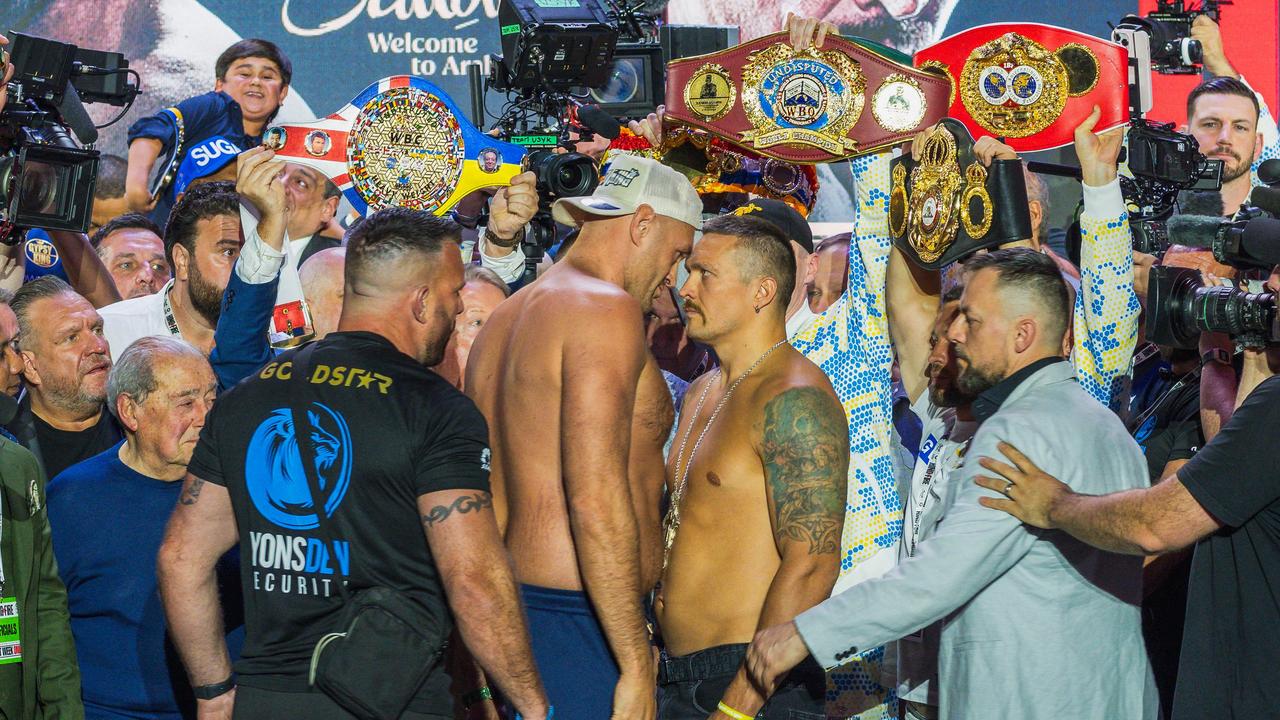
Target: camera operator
<point>1226,501</point>
<point>1229,120</point>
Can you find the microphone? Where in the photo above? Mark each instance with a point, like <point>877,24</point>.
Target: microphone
<point>1253,243</point>
<point>595,119</point>
<point>1269,172</point>
<point>1266,199</point>
<point>74,115</point>
<point>1207,202</point>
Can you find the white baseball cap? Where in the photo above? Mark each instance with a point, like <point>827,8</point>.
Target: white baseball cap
<point>629,182</point>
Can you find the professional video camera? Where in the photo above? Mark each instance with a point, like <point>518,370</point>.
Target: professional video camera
<point>1180,306</point>
<point>46,178</point>
<point>1163,161</point>
<point>1173,51</point>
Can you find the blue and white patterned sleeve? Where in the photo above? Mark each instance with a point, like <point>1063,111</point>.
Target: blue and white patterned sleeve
<point>1270,134</point>
<point>850,342</point>
<point>1106,309</point>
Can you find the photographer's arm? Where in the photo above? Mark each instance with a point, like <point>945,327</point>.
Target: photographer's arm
<point>84,268</point>
<point>143,153</point>
<point>1209,34</point>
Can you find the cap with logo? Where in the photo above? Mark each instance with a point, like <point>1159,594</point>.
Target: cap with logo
<point>628,182</point>
<point>783,216</point>
<point>202,160</point>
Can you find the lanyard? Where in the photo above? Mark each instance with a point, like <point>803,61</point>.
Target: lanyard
<point>923,503</point>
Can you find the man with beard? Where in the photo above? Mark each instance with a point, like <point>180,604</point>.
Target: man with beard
<point>65,362</point>
<point>202,242</point>
<point>400,454</point>
<point>758,482</point>
<point>1223,115</point>
<point>580,412</point>
<point>1038,625</point>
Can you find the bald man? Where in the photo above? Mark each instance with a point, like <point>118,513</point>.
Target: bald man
<point>321,277</point>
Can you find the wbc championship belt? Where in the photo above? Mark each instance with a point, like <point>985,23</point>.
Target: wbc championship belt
<point>1031,84</point>
<point>816,105</point>
<point>401,142</point>
<point>947,204</point>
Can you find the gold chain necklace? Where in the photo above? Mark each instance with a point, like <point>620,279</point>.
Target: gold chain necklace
<point>671,523</point>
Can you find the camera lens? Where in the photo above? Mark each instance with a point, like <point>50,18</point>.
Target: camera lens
<point>563,175</point>
<point>1232,311</point>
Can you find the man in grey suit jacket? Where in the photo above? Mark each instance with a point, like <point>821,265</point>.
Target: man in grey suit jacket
<point>1038,624</point>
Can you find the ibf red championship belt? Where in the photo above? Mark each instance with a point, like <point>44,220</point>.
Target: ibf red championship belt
<point>401,142</point>
<point>811,106</point>
<point>1031,84</point>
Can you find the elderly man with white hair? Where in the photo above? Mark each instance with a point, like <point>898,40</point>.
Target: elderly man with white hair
<point>108,515</point>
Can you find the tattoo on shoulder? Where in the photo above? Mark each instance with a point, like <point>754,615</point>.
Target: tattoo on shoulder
<point>806,460</point>
<point>461,506</point>
<point>191,493</point>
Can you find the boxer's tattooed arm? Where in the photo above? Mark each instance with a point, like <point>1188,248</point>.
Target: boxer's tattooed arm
<point>463,505</point>
<point>191,493</point>
<point>806,460</point>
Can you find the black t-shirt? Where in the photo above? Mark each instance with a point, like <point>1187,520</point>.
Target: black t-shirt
<point>60,449</point>
<point>1172,431</point>
<point>386,430</point>
<point>1231,646</point>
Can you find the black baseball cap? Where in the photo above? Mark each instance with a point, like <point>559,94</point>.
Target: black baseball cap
<point>783,216</point>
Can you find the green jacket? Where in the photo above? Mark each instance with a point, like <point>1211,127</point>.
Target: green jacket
<point>50,677</point>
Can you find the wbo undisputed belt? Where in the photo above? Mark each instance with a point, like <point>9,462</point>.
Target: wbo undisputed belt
<point>846,99</point>
<point>948,205</point>
<point>1031,84</point>
<point>401,142</point>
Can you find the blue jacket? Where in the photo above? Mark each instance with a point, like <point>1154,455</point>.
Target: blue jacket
<point>203,117</point>
<point>240,339</point>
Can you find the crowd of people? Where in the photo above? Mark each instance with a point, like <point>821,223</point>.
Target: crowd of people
<point>706,465</point>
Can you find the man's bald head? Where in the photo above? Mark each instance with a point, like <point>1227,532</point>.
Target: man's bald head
<point>322,286</point>
<point>386,251</point>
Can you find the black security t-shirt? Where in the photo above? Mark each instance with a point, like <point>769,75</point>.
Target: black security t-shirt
<point>60,449</point>
<point>386,430</point>
<point>1231,646</point>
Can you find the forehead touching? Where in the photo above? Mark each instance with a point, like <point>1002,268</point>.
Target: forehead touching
<point>713,252</point>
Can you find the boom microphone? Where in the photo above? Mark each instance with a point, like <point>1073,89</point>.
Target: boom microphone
<point>1253,243</point>
<point>74,115</point>
<point>1269,172</point>
<point>599,122</point>
<point>1266,198</point>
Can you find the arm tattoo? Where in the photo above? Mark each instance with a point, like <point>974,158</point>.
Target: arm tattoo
<point>463,505</point>
<point>191,493</point>
<point>806,460</point>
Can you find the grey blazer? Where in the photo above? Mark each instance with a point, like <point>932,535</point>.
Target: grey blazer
<point>1038,624</point>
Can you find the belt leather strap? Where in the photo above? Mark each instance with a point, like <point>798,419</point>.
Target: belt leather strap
<point>401,142</point>
<point>947,205</point>
<point>845,100</point>
<point>1031,84</point>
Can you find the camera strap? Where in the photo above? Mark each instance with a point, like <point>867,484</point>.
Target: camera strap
<point>299,404</point>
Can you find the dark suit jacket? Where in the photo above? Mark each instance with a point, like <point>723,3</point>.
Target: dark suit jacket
<point>316,244</point>
<point>50,676</point>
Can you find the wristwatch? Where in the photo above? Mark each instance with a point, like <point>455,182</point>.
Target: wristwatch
<point>512,242</point>
<point>209,692</point>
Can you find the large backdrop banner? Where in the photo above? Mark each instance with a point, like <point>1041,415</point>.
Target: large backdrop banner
<point>339,46</point>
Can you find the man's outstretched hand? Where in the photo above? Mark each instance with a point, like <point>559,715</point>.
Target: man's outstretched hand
<point>1030,493</point>
<point>773,653</point>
